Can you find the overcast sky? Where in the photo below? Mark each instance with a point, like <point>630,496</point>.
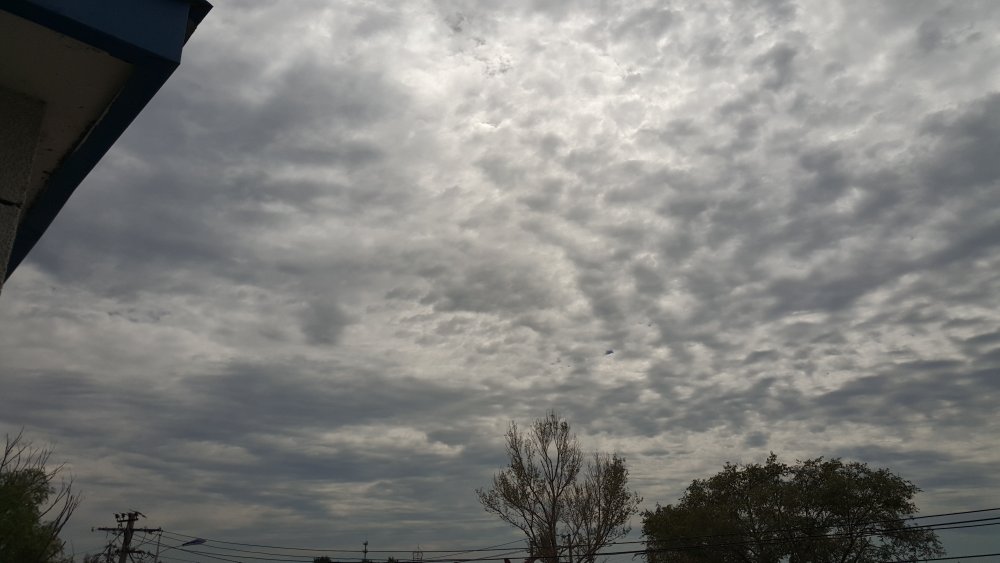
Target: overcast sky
<point>302,297</point>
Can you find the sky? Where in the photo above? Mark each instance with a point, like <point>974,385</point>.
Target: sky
<point>301,299</point>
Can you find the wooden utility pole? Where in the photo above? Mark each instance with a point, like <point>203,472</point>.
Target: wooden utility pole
<point>128,519</point>
<point>127,539</point>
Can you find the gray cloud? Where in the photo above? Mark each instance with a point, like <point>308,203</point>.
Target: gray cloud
<point>346,244</point>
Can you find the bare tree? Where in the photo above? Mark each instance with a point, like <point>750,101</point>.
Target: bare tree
<point>600,507</point>
<point>563,507</point>
<point>34,508</point>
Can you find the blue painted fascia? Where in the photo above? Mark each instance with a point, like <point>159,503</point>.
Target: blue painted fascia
<point>127,29</point>
<point>150,35</point>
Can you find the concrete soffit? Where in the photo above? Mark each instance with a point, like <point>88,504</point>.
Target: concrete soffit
<point>92,65</point>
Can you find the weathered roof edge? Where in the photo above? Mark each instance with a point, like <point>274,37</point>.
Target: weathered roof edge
<point>153,65</point>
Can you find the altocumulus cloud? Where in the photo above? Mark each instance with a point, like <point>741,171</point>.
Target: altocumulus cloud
<point>346,244</point>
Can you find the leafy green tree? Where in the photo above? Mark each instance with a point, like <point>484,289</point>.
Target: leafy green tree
<point>566,509</point>
<point>33,509</point>
<point>814,511</point>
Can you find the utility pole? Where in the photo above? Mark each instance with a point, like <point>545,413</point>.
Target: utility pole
<point>159,536</point>
<point>129,519</point>
<point>127,540</point>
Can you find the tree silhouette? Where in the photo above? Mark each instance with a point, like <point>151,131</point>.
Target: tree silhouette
<point>564,508</point>
<point>33,506</point>
<point>818,510</point>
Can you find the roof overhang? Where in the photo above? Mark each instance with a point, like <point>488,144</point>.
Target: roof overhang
<point>94,65</point>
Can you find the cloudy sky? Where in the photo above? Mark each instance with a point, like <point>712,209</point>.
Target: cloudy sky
<point>348,242</point>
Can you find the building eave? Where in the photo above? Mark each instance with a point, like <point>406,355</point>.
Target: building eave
<point>148,35</point>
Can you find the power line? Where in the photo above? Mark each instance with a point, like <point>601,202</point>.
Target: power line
<point>969,526</point>
<point>284,557</point>
<point>949,558</point>
<point>288,548</point>
<point>494,548</point>
<point>210,556</point>
<point>171,558</point>
<point>835,524</point>
<point>334,550</point>
<point>487,548</point>
<point>772,541</point>
<point>448,555</point>
<point>837,535</point>
<point>681,548</point>
<point>224,557</point>
<point>493,557</point>
<point>976,511</point>
<point>236,549</point>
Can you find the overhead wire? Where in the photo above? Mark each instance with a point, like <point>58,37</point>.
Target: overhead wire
<point>835,524</point>
<point>172,558</point>
<point>491,557</point>
<point>210,556</point>
<point>448,555</point>
<point>338,550</point>
<point>945,525</point>
<point>280,557</point>
<point>495,548</point>
<point>948,558</point>
<point>239,550</point>
<point>487,548</point>
<point>313,552</point>
<point>288,548</point>
<point>793,539</point>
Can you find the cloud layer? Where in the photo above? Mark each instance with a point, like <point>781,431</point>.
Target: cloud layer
<point>346,244</point>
